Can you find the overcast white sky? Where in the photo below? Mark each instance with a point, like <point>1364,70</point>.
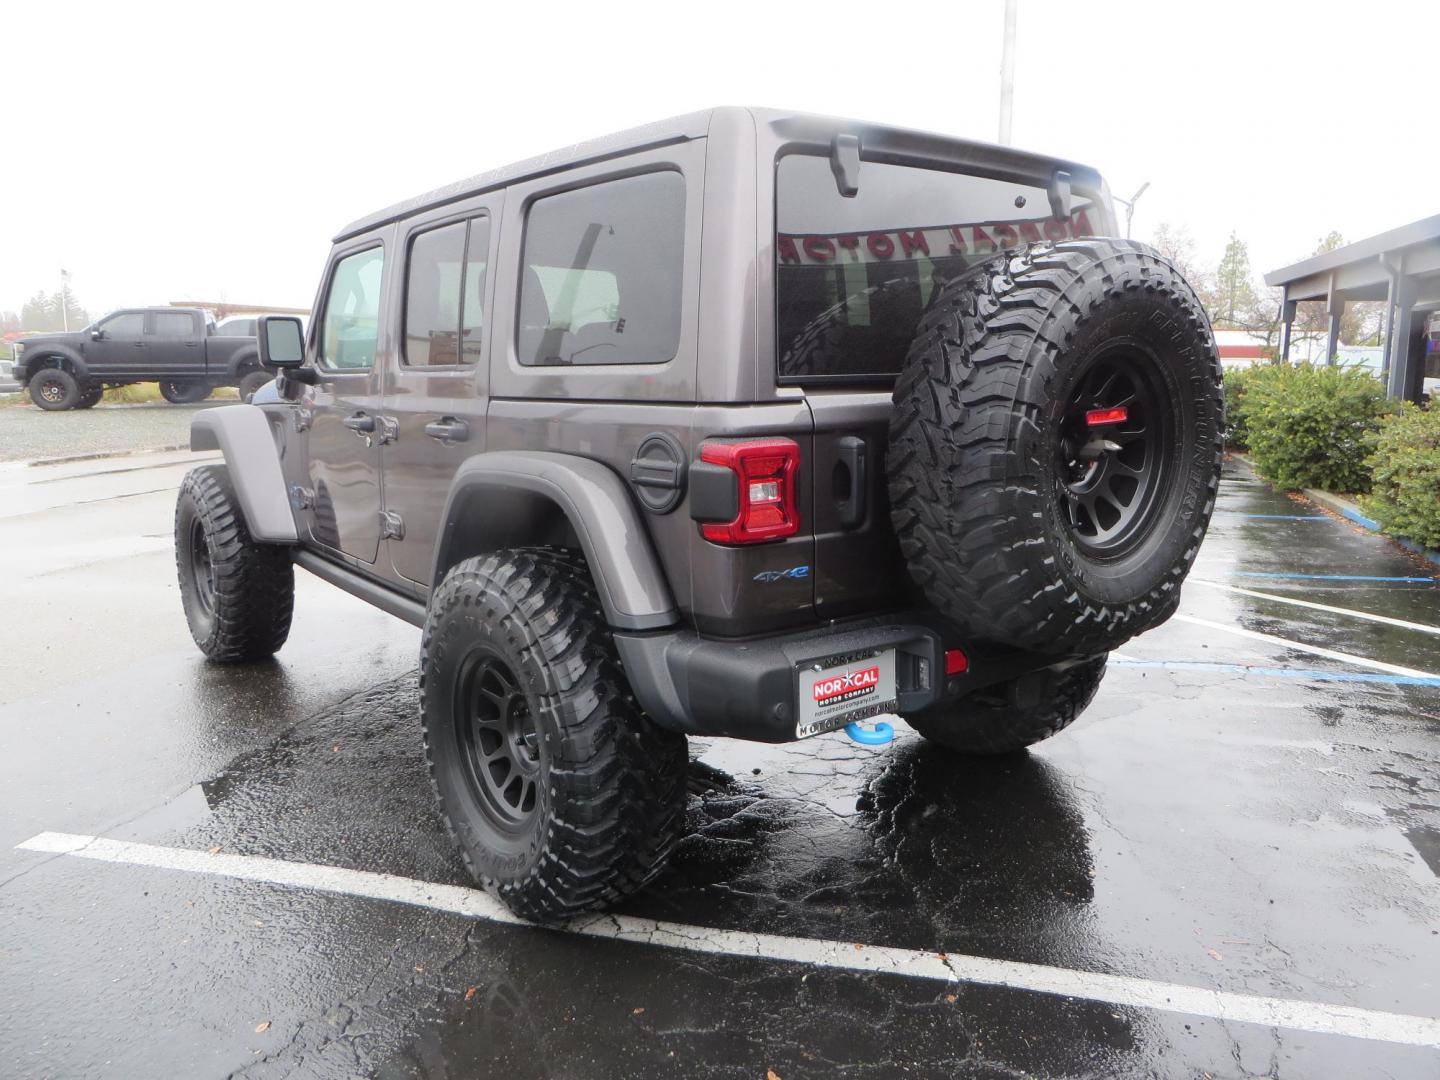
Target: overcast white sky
<point>162,152</point>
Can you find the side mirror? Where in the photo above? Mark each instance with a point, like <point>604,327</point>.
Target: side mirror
<point>97,335</point>
<point>282,342</point>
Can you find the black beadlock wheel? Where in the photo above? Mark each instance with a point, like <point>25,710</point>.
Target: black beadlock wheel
<point>54,389</point>
<point>238,595</point>
<point>561,795</point>
<point>1055,446</point>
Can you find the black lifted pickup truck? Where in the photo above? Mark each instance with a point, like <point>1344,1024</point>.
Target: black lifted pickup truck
<point>176,347</point>
<point>746,424</point>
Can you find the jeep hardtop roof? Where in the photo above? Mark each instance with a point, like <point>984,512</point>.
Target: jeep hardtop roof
<point>877,141</point>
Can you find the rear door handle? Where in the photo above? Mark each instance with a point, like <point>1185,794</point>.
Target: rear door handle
<point>360,422</point>
<point>853,456</point>
<point>448,429</point>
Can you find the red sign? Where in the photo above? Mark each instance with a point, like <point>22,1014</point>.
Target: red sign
<point>850,684</point>
<point>939,241</point>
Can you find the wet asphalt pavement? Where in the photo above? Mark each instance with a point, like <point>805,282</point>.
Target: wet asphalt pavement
<point>1232,813</point>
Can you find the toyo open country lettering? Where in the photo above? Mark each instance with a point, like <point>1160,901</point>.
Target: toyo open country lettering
<point>744,424</point>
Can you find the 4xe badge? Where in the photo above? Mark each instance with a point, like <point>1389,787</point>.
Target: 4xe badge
<point>795,573</point>
<point>847,686</point>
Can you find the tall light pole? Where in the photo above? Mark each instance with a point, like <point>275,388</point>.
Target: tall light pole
<point>1007,73</point>
<point>1130,206</point>
<point>65,299</point>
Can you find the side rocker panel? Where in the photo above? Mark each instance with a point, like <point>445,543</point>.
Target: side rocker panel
<point>242,433</point>
<point>633,590</point>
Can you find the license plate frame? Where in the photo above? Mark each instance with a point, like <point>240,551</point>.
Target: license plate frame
<point>838,690</point>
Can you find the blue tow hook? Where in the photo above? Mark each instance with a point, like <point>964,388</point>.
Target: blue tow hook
<point>878,735</point>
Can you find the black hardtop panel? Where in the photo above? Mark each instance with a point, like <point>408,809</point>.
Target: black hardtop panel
<point>877,141</point>
<point>672,130</point>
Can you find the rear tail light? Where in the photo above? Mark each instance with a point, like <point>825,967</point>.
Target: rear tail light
<point>765,476</point>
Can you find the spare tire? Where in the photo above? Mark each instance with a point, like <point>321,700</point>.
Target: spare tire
<point>1055,445</point>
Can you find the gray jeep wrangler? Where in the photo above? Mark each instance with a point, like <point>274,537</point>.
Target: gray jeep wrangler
<point>745,424</point>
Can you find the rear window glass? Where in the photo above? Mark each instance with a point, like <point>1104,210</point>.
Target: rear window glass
<point>853,276</point>
<point>602,273</point>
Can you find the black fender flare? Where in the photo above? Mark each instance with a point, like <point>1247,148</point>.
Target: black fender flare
<point>599,508</point>
<point>243,434</point>
<point>244,358</point>
<point>45,353</point>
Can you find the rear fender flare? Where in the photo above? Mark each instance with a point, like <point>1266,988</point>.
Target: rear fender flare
<point>243,434</point>
<point>514,486</point>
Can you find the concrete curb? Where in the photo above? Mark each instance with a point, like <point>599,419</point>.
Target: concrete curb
<point>103,454</point>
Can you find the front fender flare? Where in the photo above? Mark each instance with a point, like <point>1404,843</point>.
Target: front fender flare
<point>39,355</point>
<point>632,586</point>
<point>242,433</point>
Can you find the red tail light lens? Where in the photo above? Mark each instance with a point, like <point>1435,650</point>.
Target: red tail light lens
<point>765,471</point>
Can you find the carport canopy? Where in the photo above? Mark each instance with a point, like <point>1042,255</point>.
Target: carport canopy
<point>1400,267</point>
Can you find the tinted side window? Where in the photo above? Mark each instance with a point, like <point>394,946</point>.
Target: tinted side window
<point>172,324</point>
<point>432,296</point>
<point>239,328</point>
<point>602,273</point>
<point>130,324</point>
<point>352,311</point>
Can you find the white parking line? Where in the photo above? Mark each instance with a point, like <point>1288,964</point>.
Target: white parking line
<point>1300,646</point>
<point>1386,619</point>
<point>838,955</point>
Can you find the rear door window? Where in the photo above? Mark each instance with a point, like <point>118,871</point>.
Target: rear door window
<point>853,276</point>
<point>602,269</point>
<point>172,324</point>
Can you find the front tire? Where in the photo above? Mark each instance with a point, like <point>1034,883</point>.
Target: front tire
<point>562,796</point>
<point>185,393</point>
<point>1014,714</point>
<point>54,389</point>
<point>238,595</point>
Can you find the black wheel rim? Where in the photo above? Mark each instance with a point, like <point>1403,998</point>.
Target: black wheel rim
<point>1115,456</point>
<point>499,742</point>
<point>202,569</point>
<point>52,390</point>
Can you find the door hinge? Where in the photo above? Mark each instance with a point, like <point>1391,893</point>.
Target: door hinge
<point>301,498</point>
<point>391,527</point>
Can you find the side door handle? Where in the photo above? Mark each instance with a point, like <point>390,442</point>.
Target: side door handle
<point>360,422</point>
<point>448,429</point>
<point>853,456</point>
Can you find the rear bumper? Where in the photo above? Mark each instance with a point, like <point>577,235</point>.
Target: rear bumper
<point>749,689</point>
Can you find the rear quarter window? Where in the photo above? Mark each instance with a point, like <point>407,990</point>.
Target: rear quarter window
<point>853,276</point>
<point>602,273</point>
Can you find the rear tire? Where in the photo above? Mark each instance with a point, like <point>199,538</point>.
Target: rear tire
<point>185,393</point>
<point>54,389</point>
<point>251,382</point>
<point>1014,714</point>
<point>238,595</point>
<point>561,795</point>
<point>1055,446</point>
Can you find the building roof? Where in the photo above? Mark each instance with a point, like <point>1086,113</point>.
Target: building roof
<point>1358,271</point>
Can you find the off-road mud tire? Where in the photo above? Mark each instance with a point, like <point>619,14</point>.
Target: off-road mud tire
<point>1014,714</point>
<point>54,389</point>
<point>252,381</point>
<point>977,482</point>
<point>185,393</point>
<point>610,795</point>
<point>244,612</point>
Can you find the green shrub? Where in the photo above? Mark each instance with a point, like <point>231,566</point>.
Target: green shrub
<point>1237,382</point>
<point>1308,427</point>
<point>1406,467</point>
